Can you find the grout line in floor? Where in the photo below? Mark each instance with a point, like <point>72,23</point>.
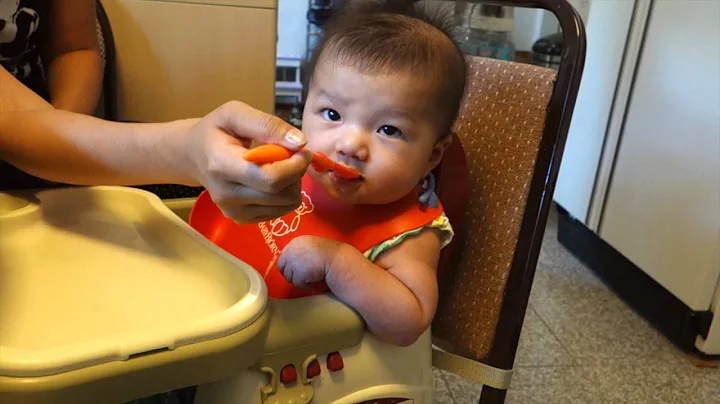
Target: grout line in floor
<point>552,332</point>
<point>447,386</point>
<point>569,365</point>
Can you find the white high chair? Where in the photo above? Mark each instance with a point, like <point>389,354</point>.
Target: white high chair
<point>107,295</point>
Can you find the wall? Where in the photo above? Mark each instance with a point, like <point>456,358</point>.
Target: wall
<point>292,29</point>
<point>527,27</point>
<point>533,24</point>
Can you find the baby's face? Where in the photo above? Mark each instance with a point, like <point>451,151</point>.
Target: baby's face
<point>384,126</point>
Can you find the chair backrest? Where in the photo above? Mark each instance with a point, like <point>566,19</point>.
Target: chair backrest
<point>513,127</point>
<point>101,42</point>
<point>108,101</point>
<point>500,128</point>
<point>452,189</point>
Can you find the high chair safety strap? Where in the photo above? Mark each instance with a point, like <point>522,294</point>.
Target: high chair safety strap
<point>472,370</point>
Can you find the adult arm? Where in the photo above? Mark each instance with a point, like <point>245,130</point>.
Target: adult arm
<point>78,149</point>
<point>72,55</point>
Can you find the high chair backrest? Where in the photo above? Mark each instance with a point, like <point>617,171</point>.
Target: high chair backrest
<point>500,128</point>
<point>452,189</point>
<point>512,127</point>
<point>108,102</point>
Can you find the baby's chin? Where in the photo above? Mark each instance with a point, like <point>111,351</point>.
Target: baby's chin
<point>349,192</point>
<point>359,196</point>
<point>344,193</point>
<point>354,198</point>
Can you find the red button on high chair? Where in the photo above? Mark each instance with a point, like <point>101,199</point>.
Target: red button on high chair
<point>313,369</point>
<point>288,374</point>
<point>335,362</point>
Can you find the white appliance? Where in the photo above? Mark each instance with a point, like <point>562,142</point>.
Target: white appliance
<point>291,48</point>
<point>641,168</point>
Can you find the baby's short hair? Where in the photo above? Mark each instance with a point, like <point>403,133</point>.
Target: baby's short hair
<point>385,36</point>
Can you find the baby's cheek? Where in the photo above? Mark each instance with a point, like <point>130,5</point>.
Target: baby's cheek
<point>396,174</point>
<point>318,139</point>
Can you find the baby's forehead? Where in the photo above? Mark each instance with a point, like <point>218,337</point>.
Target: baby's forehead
<point>403,92</point>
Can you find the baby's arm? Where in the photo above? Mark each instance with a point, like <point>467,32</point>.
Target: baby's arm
<point>397,295</point>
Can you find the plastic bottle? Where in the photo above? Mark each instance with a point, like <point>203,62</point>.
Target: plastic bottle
<point>485,30</point>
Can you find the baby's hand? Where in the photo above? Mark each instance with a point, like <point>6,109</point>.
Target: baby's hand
<point>307,260</point>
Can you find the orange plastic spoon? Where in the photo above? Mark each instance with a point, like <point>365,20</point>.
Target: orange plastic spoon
<point>267,153</point>
<point>270,153</point>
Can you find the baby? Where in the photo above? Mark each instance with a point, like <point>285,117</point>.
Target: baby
<point>385,86</point>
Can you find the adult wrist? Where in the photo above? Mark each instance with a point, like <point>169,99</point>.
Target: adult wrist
<point>174,146</point>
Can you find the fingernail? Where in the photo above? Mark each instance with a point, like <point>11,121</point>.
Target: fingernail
<point>295,138</point>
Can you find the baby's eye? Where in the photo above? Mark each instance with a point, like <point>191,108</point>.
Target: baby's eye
<point>331,115</point>
<point>391,131</point>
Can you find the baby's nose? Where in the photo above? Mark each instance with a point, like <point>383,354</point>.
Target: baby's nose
<point>353,145</point>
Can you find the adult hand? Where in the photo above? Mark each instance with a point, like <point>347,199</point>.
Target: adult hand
<point>244,191</point>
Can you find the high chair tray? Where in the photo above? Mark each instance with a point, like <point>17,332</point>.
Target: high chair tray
<point>91,277</point>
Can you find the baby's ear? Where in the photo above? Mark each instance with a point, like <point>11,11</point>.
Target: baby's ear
<point>438,150</point>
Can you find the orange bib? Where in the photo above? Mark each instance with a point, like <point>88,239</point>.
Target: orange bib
<point>260,244</point>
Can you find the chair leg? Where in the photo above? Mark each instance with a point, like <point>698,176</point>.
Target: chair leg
<point>491,395</point>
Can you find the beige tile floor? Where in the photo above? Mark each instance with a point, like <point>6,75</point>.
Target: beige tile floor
<point>582,344</point>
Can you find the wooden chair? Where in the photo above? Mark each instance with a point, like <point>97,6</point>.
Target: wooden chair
<point>107,107</point>
<point>512,128</point>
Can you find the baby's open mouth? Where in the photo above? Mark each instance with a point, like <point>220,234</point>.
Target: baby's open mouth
<point>345,178</point>
<point>322,163</point>
<point>346,173</point>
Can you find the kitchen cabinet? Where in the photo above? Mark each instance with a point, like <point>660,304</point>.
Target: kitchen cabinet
<point>180,58</point>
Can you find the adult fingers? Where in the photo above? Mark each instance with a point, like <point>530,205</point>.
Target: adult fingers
<point>239,194</point>
<point>269,178</point>
<point>254,213</point>
<point>246,122</point>
<point>263,213</point>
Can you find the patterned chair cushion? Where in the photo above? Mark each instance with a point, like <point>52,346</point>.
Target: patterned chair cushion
<point>500,127</point>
